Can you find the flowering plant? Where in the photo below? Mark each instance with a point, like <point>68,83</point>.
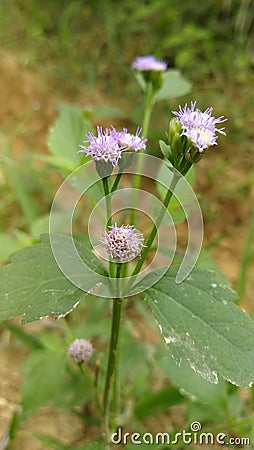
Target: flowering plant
<point>125,258</point>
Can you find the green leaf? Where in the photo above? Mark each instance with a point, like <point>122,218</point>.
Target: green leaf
<point>8,245</point>
<point>34,286</point>
<point>202,326</point>
<point>165,149</point>
<point>41,224</point>
<point>50,441</point>
<point>174,85</point>
<point>158,402</point>
<point>67,134</point>
<point>59,386</point>
<point>56,444</point>
<point>27,339</point>
<point>193,386</point>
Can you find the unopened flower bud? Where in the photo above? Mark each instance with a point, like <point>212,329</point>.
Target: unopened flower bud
<point>80,350</point>
<point>175,129</point>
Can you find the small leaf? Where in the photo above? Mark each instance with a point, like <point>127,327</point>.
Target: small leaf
<point>34,286</point>
<point>165,149</point>
<point>67,134</point>
<point>202,326</point>
<point>174,85</point>
<point>28,339</point>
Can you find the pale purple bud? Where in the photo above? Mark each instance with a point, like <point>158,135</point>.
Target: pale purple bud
<point>80,350</point>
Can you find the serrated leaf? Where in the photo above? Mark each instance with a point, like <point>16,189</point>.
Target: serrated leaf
<point>34,286</point>
<point>67,134</point>
<point>174,85</point>
<point>202,326</point>
<point>198,389</point>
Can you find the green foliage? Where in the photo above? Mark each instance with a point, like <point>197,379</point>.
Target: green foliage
<point>55,444</point>
<point>198,393</point>
<point>68,133</point>
<point>174,85</point>
<point>175,207</point>
<point>34,286</point>
<point>202,326</point>
<point>59,385</point>
<point>158,402</point>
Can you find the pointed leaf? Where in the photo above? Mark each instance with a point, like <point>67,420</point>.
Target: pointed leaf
<point>174,85</point>
<point>67,134</point>
<point>34,286</point>
<point>202,326</point>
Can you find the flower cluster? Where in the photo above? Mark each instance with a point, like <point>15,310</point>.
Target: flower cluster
<point>109,144</point>
<point>80,350</point>
<point>199,127</point>
<point>147,63</point>
<point>123,243</point>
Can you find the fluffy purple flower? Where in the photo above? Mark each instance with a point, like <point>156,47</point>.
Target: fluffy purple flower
<point>109,144</point>
<point>102,147</point>
<point>128,141</point>
<point>198,126</point>
<point>147,63</point>
<point>80,350</point>
<point>123,243</point>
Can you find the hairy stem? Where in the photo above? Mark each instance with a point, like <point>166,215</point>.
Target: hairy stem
<point>112,370</point>
<point>109,217</point>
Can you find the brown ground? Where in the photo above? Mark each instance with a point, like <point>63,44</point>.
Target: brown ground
<point>27,110</point>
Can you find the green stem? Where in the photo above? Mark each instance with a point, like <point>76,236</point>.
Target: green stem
<point>109,217</point>
<point>116,182</point>
<point>108,200</point>
<point>149,102</point>
<point>112,370</point>
<point>154,231</point>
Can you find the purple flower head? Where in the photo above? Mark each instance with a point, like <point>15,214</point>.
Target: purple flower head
<point>109,144</point>
<point>149,62</point>
<point>80,350</point>
<point>129,141</point>
<point>123,243</point>
<point>103,147</point>
<point>198,126</point>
